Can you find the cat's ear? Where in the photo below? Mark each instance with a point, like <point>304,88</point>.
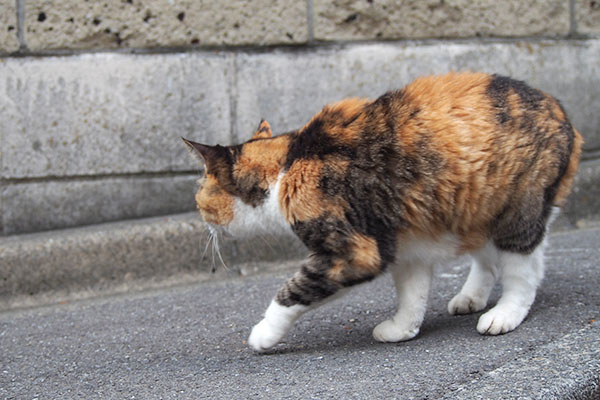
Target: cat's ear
<point>263,131</point>
<point>211,155</point>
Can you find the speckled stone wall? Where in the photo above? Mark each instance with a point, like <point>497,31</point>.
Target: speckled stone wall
<point>390,19</point>
<point>9,41</point>
<point>68,24</point>
<point>94,95</point>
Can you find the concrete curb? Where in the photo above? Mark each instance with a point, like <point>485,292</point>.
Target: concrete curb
<point>123,256</point>
<point>583,207</point>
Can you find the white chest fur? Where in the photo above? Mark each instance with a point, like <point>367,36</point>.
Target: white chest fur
<point>265,218</point>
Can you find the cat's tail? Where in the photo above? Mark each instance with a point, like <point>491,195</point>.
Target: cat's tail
<point>565,183</point>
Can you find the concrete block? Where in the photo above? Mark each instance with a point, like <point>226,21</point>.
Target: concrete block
<point>126,256</point>
<point>393,19</point>
<point>64,24</point>
<point>288,88</point>
<point>583,206</point>
<point>587,14</point>
<point>39,206</point>
<point>1,208</point>
<point>9,41</point>
<point>110,113</point>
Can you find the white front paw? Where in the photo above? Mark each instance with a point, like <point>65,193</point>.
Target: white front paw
<point>500,320</point>
<point>388,331</point>
<point>465,304</point>
<point>263,336</point>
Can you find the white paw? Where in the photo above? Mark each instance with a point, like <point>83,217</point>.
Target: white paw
<point>464,304</point>
<point>388,331</point>
<point>263,336</point>
<point>500,320</point>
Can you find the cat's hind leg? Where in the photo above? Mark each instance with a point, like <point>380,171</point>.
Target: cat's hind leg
<point>520,276</point>
<point>476,290</point>
<point>412,281</point>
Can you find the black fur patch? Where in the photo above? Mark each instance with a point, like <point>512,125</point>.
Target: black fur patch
<point>246,188</point>
<point>314,143</point>
<point>499,89</point>
<point>521,227</point>
<point>520,230</point>
<point>566,129</point>
<point>310,284</point>
<point>325,236</point>
<point>249,191</point>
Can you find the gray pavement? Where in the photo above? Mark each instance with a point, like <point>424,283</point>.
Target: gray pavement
<point>189,342</point>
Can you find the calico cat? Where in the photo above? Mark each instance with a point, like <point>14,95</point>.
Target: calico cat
<point>464,163</point>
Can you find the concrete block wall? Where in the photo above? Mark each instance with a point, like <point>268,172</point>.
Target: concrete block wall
<point>94,95</point>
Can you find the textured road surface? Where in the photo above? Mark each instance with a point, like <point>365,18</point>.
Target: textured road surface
<point>189,342</point>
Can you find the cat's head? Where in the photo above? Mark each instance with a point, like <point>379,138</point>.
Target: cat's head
<point>238,178</point>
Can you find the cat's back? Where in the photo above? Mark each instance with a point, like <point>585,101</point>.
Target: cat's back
<point>506,152</point>
<point>460,152</point>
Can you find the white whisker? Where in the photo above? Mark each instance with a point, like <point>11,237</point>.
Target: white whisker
<point>266,240</point>
<point>218,250</point>
<point>212,248</point>
<point>215,233</point>
<point>206,247</point>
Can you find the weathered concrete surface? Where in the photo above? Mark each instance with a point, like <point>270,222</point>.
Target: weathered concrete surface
<point>64,24</point>
<point>9,41</point>
<point>189,342</point>
<point>110,113</point>
<point>46,205</point>
<point>583,206</point>
<point>122,256</point>
<point>391,19</point>
<point>587,16</point>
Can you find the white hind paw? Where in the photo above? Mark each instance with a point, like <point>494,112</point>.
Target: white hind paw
<point>500,320</point>
<point>464,304</point>
<point>390,332</point>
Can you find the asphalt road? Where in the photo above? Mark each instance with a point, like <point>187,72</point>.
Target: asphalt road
<point>189,342</point>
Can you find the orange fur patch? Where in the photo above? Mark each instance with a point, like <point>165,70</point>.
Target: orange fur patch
<point>263,158</point>
<point>214,203</point>
<point>362,260</point>
<point>342,120</point>
<point>336,272</point>
<point>365,253</point>
<point>300,197</point>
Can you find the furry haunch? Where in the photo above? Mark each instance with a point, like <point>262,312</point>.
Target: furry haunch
<point>464,163</point>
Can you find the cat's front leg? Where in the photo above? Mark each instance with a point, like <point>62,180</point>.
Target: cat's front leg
<point>307,288</point>
<point>412,287</point>
<point>275,325</point>
<point>320,280</point>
